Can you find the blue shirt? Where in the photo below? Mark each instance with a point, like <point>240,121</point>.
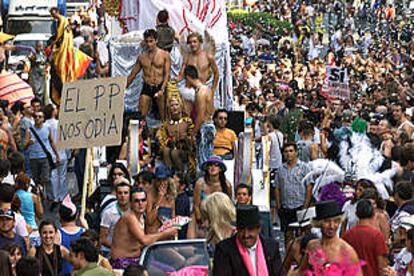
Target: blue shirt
<point>27,207</point>
<point>4,242</point>
<point>66,239</point>
<point>35,150</point>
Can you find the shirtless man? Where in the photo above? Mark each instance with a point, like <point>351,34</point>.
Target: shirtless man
<point>156,64</point>
<point>204,128</point>
<point>328,218</point>
<point>402,122</point>
<point>205,64</point>
<point>129,234</point>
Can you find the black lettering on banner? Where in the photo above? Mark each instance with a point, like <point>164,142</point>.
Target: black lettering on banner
<point>114,91</point>
<point>63,136</point>
<point>104,123</point>
<point>71,130</point>
<point>91,127</point>
<point>98,127</point>
<point>342,76</point>
<point>98,88</point>
<point>94,121</point>
<point>78,129</point>
<point>79,109</point>
<point>68,99</point>
<point>334,74</point>
<point>112,125</point>
<point>337,75</point>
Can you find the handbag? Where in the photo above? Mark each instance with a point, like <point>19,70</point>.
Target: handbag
<point>49,157</point>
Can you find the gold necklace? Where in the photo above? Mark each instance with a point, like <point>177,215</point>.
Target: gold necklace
<point>176,122</point>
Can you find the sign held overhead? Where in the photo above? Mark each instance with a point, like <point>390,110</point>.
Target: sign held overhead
<point>336,84</point>
<point>91,113</point>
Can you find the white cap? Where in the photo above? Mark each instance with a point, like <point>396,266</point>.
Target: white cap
<point>407,222</point>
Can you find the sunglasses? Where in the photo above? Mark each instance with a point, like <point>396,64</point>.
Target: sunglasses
<point>139,200</point>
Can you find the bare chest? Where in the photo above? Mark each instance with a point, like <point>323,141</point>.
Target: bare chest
<point>199,61</point>
<point>336,253</point>
<point>152,61</point>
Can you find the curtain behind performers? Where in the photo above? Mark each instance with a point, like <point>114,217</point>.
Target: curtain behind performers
<point>69,63</point>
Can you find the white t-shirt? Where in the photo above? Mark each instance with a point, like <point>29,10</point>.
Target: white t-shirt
<point>87,31</point>
<point>350,213</point>
<point>53,126</point>
<point>276,138</point>
<point>78,41</point>
<point>10,180</point>
<point>20,227</point>
<point>402,261</point>
<point>110,217</point>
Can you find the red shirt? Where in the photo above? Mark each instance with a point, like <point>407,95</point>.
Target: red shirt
<point>369,243</point>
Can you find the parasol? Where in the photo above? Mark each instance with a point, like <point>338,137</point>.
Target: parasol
<point>13,89</point>
<point>4,37</point>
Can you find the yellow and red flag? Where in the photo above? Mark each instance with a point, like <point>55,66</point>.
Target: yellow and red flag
<point>69,63</point>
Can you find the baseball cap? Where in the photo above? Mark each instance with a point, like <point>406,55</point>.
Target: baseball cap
<point>8,213</point>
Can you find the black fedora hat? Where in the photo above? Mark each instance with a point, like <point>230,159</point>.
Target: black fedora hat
<point>327,209</point>
<point>247,216</point>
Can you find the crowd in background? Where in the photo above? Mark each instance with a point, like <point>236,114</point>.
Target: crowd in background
<point>278,77</point>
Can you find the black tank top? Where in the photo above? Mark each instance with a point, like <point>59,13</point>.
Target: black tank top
<point>54,267</point>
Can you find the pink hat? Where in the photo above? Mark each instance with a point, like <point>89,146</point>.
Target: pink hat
<point>67,202</point>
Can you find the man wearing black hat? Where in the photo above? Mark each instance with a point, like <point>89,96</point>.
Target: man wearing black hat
<point>328,218</point>
<point>247,254</point>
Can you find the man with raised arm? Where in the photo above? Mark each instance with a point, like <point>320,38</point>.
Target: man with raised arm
<point>156,65</point>
<point>129,234</point>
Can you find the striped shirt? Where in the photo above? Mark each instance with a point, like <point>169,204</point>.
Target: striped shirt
<point>289,182</point>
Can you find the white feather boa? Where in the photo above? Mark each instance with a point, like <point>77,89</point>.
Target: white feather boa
<point>366,159</point>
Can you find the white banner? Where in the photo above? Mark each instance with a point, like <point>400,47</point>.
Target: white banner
<point>91,113</point>
<point>336,83</point>
<point>185,16</point>
<point>124,50</point>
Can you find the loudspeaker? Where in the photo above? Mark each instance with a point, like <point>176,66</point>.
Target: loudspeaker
<point>236,121</point>
<point>99,194</point>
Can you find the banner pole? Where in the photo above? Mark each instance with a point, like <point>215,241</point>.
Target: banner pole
<point>85,182</point>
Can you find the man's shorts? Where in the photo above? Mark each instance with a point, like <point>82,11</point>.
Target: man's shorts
<point>123,263</point>
<point>150,90</point>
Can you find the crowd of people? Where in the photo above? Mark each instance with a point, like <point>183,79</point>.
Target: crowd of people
<point>280,78</point>
<point>358,227</point>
